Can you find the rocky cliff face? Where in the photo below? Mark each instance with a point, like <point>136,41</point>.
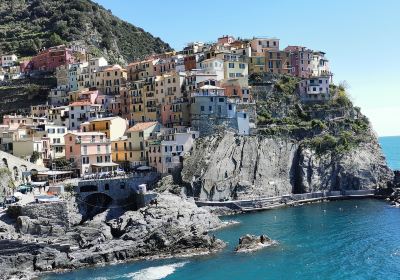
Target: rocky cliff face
<point>174,226</point>
<point>240,167</point>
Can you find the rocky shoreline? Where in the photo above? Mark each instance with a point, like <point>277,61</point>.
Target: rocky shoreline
<point>174,227</point>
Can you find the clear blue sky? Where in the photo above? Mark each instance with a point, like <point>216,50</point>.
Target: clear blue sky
<point>361,38</point>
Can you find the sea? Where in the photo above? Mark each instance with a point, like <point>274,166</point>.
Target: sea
<point>351,239</point>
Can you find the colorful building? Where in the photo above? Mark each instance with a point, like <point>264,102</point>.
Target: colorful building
<point>315,89</point>
<point>51,58</point>
<point>300,61</point>
<point>112,127</point>
<point>167,149</point>
<point>132,148</point>
<point>89,152</point>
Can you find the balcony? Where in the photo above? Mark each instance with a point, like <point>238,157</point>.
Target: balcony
<point>95,141</point>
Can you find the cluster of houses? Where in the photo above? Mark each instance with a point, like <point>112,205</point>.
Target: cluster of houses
<point>102,117</point>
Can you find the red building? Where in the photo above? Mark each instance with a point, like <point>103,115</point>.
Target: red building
<point>190,62</point>
<point>49,59</point>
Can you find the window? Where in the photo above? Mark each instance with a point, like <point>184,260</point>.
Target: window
<point>210,108</point>
<point>231,65</point>
<point>242,66</point>
<point>107,187</point>
<point>98,148</point>
<point>220,99</point>
<point>202,108</point>
<point>230,107</point>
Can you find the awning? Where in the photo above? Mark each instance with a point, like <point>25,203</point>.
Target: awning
<point>39,184</point>
<point>105,164</point>
<point>54,172</point>
<point>142,168</point>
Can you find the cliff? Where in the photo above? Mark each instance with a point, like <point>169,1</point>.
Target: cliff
<point>296,148</point>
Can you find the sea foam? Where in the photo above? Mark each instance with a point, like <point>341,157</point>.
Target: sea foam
<point>156,272</point>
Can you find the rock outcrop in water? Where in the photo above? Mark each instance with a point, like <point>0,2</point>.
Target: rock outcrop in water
<point>250,243</point>
<point>174,226</point>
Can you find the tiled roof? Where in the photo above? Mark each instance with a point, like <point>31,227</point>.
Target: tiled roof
<point>141,126</point>
<point>80,103</point>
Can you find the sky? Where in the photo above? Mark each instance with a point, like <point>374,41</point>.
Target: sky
<point>361,38</point>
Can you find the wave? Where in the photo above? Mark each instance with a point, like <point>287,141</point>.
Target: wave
<point>156,272</point>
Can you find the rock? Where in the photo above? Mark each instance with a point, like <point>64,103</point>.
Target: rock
<point>225,167</point>
<point>249,243</point>
<point>231,167</point>
<point>176,226</point>
<point>221,210</point>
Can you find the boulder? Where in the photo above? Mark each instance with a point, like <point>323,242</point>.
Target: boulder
<point>249,243</point>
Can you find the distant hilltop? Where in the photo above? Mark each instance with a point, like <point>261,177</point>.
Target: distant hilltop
<point>28,26</point>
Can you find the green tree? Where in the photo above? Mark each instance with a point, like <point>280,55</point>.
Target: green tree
<point>55,40</point>
<point>34,157</point>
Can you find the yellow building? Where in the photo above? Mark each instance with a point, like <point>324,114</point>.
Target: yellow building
<point>132,147</point>
<point>168,87</point>
<point>112,127</point>
<point>271,61</point>
<point>141,101</point>
<point>140,70</point>
<point>111,79</point>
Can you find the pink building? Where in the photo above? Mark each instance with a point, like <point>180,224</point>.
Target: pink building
<point>51,58</point>
<point>90,152</point>
<point>225,39</point>
<point>300,60</point>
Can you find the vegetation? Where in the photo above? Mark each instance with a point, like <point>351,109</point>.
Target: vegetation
<point>27,26</point>
<point>34,157</point>
<point>61,163</point>
<point>6,181</point>
<point>334,127</point>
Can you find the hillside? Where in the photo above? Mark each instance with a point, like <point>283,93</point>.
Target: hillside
<point>28,25</point>
<point>296,148</point>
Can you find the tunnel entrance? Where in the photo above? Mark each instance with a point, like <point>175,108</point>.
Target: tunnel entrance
<point>95,204</point>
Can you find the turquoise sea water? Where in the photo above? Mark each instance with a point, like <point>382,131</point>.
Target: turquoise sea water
<point>354,239</point>
<point>391,149</point>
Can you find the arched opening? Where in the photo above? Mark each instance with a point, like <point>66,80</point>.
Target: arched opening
<point>16,173</point>
<point>95,204</point>
<point>5,163</point>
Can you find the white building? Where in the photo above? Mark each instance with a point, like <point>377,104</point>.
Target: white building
<point>167,149</point>
<point>75,71</point>
<point>213,66</point>
<point>8,60</point>
<point>55,134</point>
<point>243,123</point>
<point>315,89</point>
<point>59,116</point>
<point>83,111</point>
<point>319,64</point>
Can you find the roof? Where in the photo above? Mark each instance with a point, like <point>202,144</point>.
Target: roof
<point>210,87</point>
<point>105,119</point>
<point>114,67</point>
<point>141,126</point>
<point>86,133</point>
<point>80,103</point>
